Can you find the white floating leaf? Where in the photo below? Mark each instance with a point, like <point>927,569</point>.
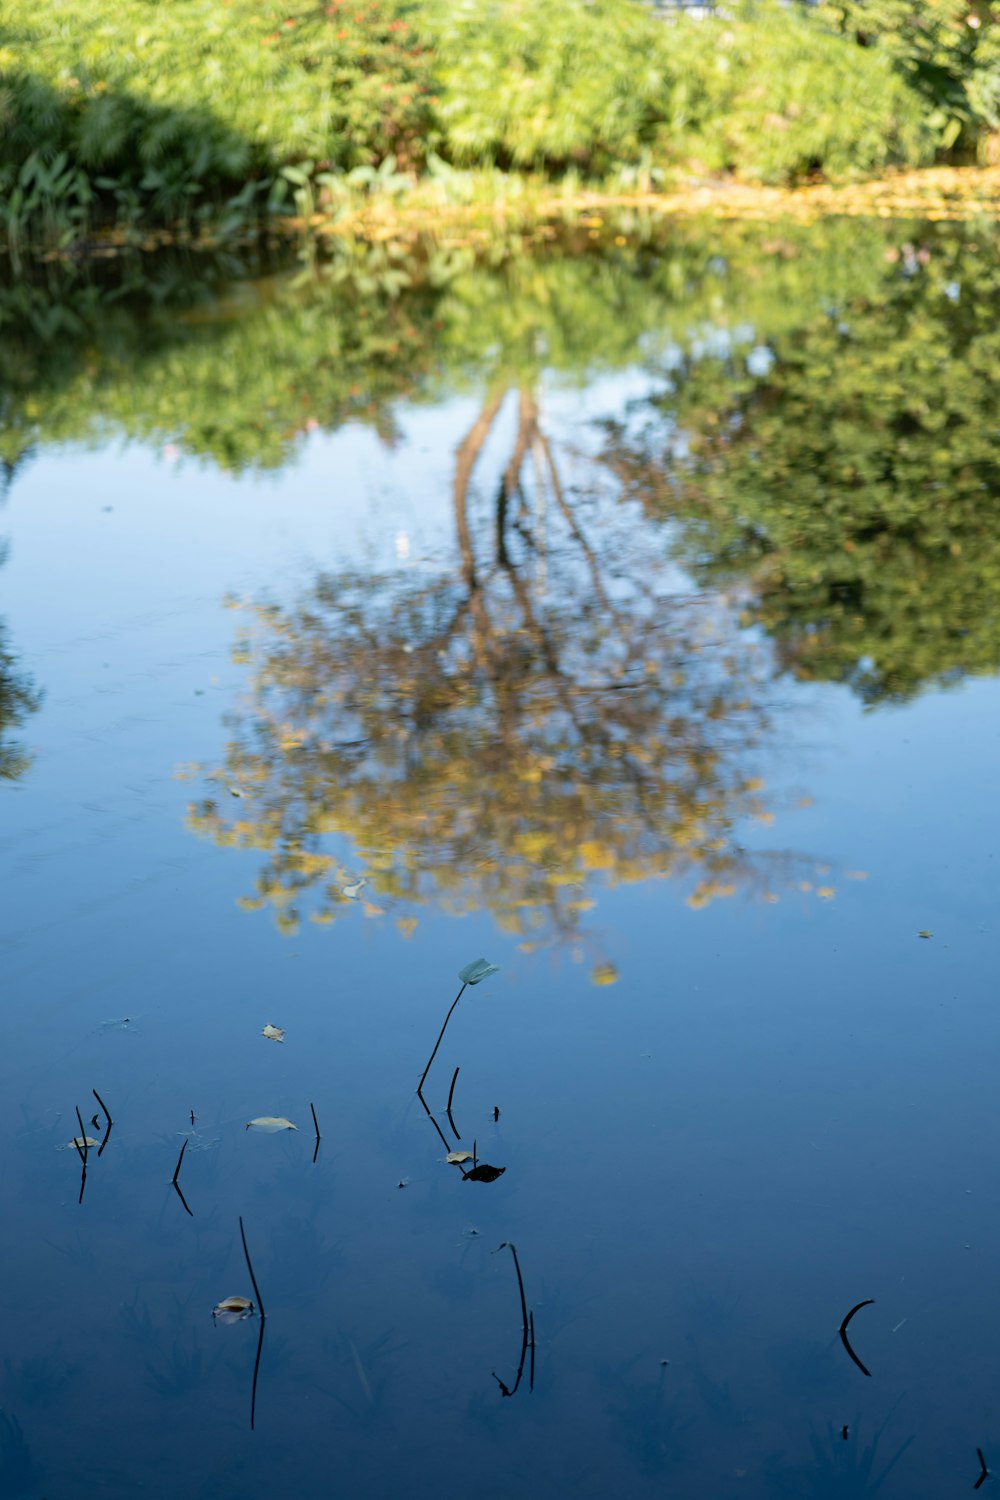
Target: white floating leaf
<point>477,971</point>
<point>233,1310</point>
<point>270,1123</point>
<point>273,1033</point>
<point>79,1142</point>
<point>456,1157</point>
<point>355,888</point>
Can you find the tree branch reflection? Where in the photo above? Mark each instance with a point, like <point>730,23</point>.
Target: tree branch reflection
<point>496,735</point>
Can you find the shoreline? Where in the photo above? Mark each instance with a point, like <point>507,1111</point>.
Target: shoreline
<point>932,193</point>
<point>482,208</point>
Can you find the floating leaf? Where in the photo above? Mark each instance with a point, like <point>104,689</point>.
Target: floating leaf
<point>273,1033</point>
<point>354,889</point>
<point>233,1310</point>
<point>484,1173</point>
<point>79,1142</point>
<point>270,1123</point>
<point>455,1157</point>
<point>234,791</point>
<point>925,934</point>
<point>477,971</point>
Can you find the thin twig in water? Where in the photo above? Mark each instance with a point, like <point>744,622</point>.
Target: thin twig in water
<point>509,1245</point>
<point>176,1185</point>
<point>83,1148</point>
<point>316,1128</point>
<point>256,1371</point>
<point>451,1118</point>
<point>443,1138</point>
<point>107,1116</point>
<point>843,1333</point>
<point>437,1044</point>
<point>263,1318</point>
<point>527,1331</point>
<point>179,1160</point>
<point>253,1278</point>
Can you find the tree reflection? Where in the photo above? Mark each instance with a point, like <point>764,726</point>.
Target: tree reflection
<point>846,478</point>
<point>494,736</point>
<point>18,698</point>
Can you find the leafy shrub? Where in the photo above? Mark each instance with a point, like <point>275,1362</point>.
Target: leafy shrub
<point>161,105</point>
<point>948,51</point>
<point>154,113</point>
<point>769,93</point>
<point>780,97</point>
<point>553,83</point>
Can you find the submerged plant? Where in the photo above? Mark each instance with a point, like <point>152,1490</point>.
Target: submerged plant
<point>181,1372</point>
<point>647,1419</point>
<point>19,1473</point>
<point>842,1467</point>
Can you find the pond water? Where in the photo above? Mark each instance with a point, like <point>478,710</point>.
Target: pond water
<point>628,618</point>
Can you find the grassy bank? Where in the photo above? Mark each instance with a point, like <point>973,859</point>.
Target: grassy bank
<point>223,116</point>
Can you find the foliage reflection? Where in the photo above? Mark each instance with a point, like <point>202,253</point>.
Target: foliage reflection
<point>494,736</point>
<point>844,475</point>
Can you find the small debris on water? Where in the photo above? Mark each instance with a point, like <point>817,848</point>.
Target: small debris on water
<point>233,1310</point>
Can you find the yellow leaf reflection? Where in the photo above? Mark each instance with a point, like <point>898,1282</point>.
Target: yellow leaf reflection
<point>542,716</point>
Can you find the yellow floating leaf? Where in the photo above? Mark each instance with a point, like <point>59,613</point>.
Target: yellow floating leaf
<point>273,1033</point>
<point>457,1157</point>
<point>79,1143</point>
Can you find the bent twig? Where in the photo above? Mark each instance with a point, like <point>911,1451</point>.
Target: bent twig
<point>437,1044</point>
<point>843,1333</point>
